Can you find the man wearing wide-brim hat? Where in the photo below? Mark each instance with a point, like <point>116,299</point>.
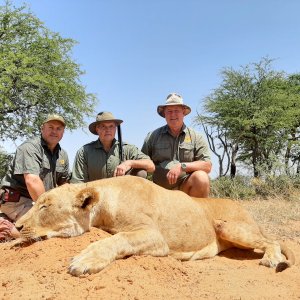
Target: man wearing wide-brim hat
<point>180,154</point>
<point>102,158</point>
<point>39,165</point>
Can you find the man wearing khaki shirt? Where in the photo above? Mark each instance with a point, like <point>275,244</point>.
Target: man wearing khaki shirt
<point>39,164</point>
<point>180,154</point>
<point>101,158</point>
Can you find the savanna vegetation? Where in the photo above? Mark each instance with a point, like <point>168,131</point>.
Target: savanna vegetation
<point>252,124</point>
<point>37,76</point>
<point>251,120</point>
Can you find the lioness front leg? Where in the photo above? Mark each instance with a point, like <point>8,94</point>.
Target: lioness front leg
<point>100,254</point>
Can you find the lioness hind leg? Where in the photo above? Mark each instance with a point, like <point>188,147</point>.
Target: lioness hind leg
<point>100,254</point>
<point>249,236</point>
<point>209,251</point>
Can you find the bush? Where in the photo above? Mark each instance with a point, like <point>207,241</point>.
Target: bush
<point>235,188</point>
<point>5,159</point>
<point>244,187</point>
<point>281,186</point>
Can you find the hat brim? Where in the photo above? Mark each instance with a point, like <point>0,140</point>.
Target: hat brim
<point>160,109</point>
<point>92,126</point>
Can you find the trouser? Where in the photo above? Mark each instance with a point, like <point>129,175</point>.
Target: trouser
<point>137,172</point>
<point>15,210</point>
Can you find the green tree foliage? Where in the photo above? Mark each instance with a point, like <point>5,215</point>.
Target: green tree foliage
<point>257,109</point>
<point>5,159</point>
<point>37,76</point>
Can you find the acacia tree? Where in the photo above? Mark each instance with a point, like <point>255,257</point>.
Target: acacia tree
<point>259,109</point>
<point>292,152</point>
<point>37,76</point>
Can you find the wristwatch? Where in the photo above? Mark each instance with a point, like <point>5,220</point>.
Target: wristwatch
<point>183,167</point>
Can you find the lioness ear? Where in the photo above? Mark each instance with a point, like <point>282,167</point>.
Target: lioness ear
<point>87,198</point>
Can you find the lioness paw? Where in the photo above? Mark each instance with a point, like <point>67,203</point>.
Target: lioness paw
<point>267,263</point>
<point>270,262</point>
<point>86,264</point>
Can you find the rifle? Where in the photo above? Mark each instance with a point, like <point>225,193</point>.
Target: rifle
<point>121,155</point>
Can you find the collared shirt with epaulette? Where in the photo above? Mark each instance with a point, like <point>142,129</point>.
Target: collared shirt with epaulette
<point>163,148</point>
<point>34,157</point>
<point>189,146</point>
<point>92,162</point>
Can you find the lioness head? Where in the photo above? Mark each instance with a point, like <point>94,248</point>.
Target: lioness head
<point>63,211</point>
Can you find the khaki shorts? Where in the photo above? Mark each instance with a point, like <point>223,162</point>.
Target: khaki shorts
<point>15,210</point>
<point>161,179</point>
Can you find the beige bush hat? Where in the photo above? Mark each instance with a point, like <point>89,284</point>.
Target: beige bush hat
<point>173,99</point>
<point>54,117</point>
<point>103,116</point>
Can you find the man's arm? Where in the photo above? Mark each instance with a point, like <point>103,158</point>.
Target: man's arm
<point>79,171</point>
<point>28,160</point>
<point>191,167</point>
<point>201,160</point>
<point>134,159</point>
<point>198,165</point>
<point>145,164</point>
<point>146,146</point>
<point>35,185</point>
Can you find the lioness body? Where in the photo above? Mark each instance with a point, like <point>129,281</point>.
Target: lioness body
<point>144,219</point>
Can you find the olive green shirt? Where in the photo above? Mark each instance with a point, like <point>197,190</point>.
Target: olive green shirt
<point>165,149</point>
<point>92,162</point>
<point>34,157</point>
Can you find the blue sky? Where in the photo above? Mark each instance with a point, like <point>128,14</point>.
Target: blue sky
<point>135,52</point>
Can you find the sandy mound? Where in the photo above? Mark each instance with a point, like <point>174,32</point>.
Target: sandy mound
<point>39,271</point>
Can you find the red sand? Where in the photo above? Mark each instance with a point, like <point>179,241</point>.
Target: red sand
<point>39,271</point>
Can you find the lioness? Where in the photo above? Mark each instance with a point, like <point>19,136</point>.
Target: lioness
<point>145,219</point>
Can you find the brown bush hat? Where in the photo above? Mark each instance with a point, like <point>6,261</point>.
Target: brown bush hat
<point>173,99</point>
<point>103,116</point>
<point>54,117</point>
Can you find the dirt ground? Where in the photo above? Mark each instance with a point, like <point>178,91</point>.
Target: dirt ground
<point>39,271</point>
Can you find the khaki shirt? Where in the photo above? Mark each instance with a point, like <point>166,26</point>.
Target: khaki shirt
<point>34,157</point>
<point>92,162</point>
<point>163,149</point>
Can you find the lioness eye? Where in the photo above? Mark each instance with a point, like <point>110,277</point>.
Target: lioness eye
<point>43,207</point>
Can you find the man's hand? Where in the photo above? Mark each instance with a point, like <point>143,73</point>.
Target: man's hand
<point>122,169</point>
<point>174,173</point>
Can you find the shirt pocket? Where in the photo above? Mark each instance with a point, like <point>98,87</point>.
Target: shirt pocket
<point>60,165</point>
<point>162,152</point>
<point>60,169</point>
<point>186,152</point>
<point>45,169</point>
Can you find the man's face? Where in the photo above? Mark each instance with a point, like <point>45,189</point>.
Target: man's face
<point>52,132</point>
<point>174,115</point>
<point>106,131</point>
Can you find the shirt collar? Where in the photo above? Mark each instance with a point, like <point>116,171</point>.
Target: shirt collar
<point>166,129</point>
<point>100,145</point>
<point>44,144</point>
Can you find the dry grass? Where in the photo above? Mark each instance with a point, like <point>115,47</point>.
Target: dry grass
<point>278,217</point>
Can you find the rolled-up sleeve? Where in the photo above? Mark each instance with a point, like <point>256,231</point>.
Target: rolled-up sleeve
<point>80,168</point>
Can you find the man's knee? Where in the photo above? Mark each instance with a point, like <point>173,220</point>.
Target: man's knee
<point>197,184</point>
<point>201,177</point>
<point>138,172</point>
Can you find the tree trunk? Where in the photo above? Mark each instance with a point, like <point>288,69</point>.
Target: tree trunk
<point>234,152</point>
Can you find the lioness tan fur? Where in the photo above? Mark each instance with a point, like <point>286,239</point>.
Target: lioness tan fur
<point>145,219</point>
